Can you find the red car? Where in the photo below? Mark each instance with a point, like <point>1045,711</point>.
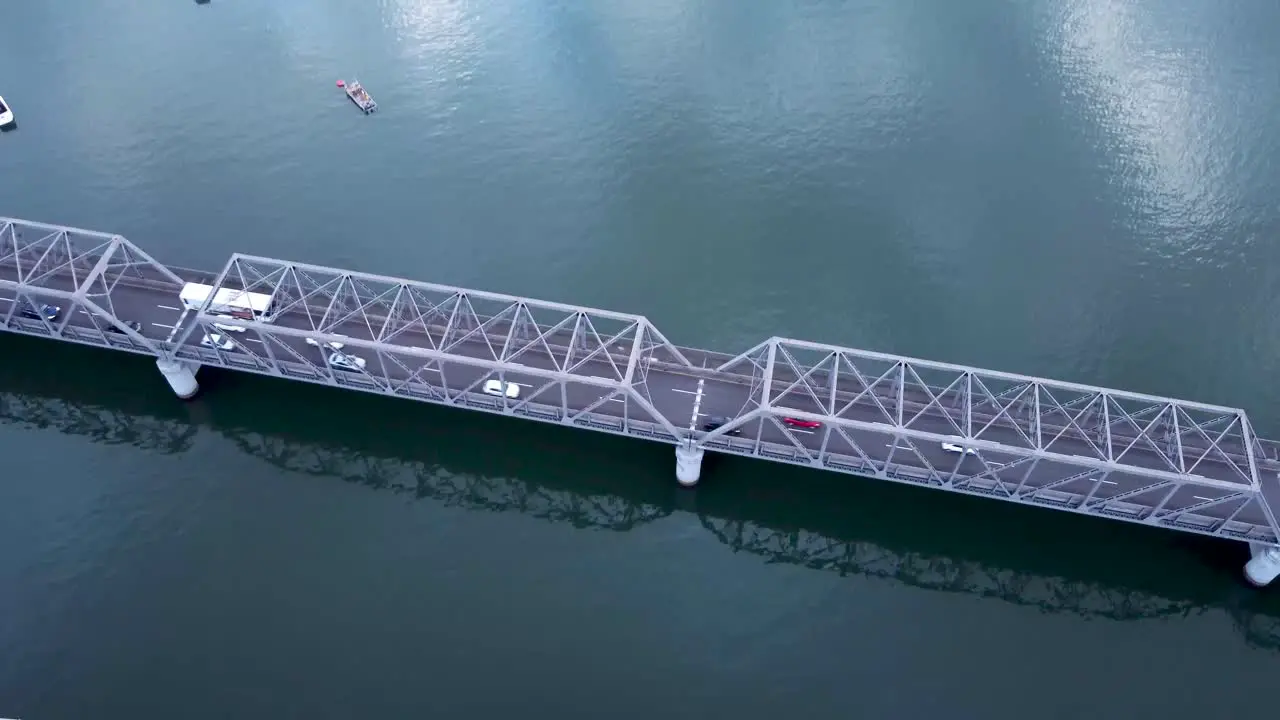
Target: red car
<point>810,424</point>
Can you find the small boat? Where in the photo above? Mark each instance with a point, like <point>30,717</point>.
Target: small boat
<point>6,115</point>
<point>356,92</point>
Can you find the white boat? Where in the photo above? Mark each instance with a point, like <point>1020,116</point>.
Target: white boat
<point>6,115</point>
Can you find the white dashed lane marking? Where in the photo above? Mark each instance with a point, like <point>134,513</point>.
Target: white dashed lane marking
<point>697,405</point>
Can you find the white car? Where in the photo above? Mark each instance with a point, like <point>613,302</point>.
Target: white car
<point>959,449</point>
<point>6,115</point>
<point>335,346</point>
<point>217,341</point>
<point>343,361</point>
<point>494,387</point>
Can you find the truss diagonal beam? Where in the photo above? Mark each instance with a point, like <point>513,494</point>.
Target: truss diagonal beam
<point>1059,412</point>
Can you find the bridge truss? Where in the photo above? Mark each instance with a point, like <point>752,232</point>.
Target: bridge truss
<point>78,272</point>
<point>1140,458</point>
<point>439,343</point>
<point>1130,456</point>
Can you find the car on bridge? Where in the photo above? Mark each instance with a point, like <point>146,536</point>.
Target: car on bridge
<point>46,312</point>
<point>217,341</point>
<point>494,387</point>
<point>715,423</point>
<point>797,423</point>
<point>133,325</point>
<point>332,345</point>
<point>345,362</point>
<point>958,449</point>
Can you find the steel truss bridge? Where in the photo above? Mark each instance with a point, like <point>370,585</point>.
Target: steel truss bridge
<point>466,483</point>
<point>1139,458</point>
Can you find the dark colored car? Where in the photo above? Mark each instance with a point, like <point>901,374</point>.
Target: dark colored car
<point>133,325</point>
<point>46,312</point>
<point>810,424</point>
<point>716,423</point>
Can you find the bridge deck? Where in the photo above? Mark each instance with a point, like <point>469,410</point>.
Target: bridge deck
<point>1159,461</point>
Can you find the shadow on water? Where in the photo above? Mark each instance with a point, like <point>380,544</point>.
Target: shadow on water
<point>1051,561</point>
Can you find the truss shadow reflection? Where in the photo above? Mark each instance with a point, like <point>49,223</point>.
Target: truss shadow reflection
<point>464,488</point>
<point>101,424</point>
<point>447,466</point>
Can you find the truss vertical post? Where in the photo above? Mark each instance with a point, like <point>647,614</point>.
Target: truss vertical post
<point>637,346</point>
<point>967,405</point>
<point>766,385</point>
<point>900,380</point>
<point>833,379</point>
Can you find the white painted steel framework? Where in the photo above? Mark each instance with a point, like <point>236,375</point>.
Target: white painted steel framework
<point>78,272</point>
<point>440,343</point>
<point>1139,457</point>
<point>1151,460</point>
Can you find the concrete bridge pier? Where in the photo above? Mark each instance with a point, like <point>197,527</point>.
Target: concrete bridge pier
<point>181,376</point>
<point>1263,565</point>
<point>688,464</point>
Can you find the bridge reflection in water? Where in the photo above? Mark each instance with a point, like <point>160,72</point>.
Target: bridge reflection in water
<point>777,532</point>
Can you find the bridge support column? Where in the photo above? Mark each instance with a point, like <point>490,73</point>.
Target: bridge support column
<point>1263,565</point>
<point>181,377</point>
<point>688,464</point>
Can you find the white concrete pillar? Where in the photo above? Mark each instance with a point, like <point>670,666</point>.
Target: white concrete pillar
<point>1263,565</point>
<point>181,377</point>
<point>688,464</point>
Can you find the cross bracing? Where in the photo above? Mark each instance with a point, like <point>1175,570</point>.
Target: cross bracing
<point>1146,459</point>
<point>442,343</point>
<point>78,272</point>
<point>1108,452</point>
